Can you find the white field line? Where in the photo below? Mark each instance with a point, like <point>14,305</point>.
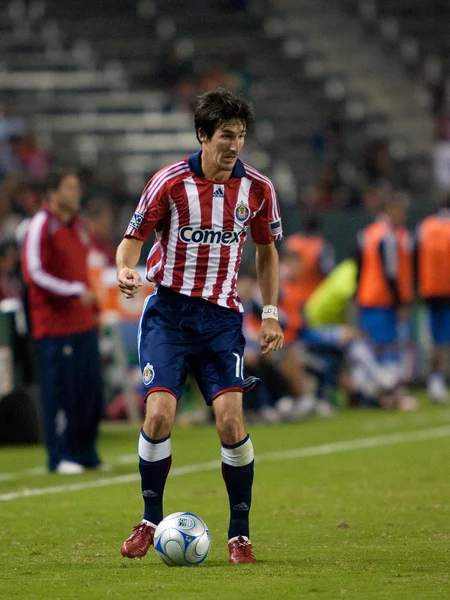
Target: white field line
<point>296,453</point>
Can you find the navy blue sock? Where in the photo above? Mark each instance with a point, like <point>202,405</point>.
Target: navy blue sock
<point>238,470</point>
<point>155,458</point>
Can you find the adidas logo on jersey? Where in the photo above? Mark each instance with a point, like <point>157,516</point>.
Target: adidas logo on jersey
<point>218,193</point>
<point>190,235</point>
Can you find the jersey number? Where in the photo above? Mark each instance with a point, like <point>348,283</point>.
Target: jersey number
<point>239,366</point>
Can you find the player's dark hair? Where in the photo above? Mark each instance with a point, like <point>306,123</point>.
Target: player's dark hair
<point>217,107</point>
<point>55,177</point>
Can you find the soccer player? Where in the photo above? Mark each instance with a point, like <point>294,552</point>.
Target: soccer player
<point>385,283</point>
<point>63,317</point>
<point>200,209</point>
<point>433,277</point>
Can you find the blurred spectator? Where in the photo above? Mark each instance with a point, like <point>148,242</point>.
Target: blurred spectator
<point>63,312</point>
<point>10,283</point>
<point>433,278</point>
<point>385,288</point>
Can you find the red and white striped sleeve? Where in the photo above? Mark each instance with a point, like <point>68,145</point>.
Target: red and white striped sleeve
<point>154,202</point>
<point>37,257</point>
<point>266,226</point>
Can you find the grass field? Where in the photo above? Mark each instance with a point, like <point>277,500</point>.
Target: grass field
<point>357,507</point>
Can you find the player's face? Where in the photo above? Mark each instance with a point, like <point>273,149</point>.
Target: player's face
<point>223,149</point>
<point>68,195</point>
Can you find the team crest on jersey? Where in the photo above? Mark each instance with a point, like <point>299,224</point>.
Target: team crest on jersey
<point>148,374</point>
<point>136,220</point>
<point>242,212</point>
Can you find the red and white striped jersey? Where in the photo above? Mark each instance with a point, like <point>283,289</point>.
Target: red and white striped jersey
<point>201,226</point>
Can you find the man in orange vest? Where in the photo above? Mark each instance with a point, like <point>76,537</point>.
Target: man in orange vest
<point>316,255</point>
<point>432,253</point>
<point>385,284</point>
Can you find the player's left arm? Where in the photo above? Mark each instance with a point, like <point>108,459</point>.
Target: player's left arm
<point>270,333</point>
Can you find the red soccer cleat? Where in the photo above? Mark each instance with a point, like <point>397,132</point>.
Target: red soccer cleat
<point>240,549</point>
<point>137,545</point>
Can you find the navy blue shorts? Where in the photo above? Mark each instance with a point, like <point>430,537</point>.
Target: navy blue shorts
<point>379,324</point>
<point>178,333</point>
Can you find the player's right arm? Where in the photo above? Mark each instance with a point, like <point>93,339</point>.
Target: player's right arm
<point>151,209</point>
<point>127,257</point>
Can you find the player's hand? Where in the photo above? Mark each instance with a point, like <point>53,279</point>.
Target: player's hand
<point>270,336</point>
<point>129,282</point>
<point>88,298</point>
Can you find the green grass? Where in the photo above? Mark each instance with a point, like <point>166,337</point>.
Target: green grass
<point>361,524</point>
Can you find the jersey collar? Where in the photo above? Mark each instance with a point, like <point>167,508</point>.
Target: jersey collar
<point>195,165</point>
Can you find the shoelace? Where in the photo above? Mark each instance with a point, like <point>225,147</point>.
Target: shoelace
<point>244,546</point>
<point>137,529</point>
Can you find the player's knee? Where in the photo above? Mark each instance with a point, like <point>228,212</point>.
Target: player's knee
<point>158,422</point>
<point>231,428</point>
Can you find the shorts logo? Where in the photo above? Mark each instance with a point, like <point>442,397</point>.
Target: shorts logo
<point>148,374</point>
<point>242,212</point>
<point>136,221</point>
<point>189,235</point>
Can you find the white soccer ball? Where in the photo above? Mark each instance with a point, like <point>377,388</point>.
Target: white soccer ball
<point>182,539</point>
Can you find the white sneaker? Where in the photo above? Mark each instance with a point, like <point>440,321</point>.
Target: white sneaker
<point>285,406</point>
<point>67,467</point>
<point>436,388</point>
<point>305,406</point>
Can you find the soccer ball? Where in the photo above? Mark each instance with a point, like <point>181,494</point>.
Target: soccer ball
<point>182,539</point>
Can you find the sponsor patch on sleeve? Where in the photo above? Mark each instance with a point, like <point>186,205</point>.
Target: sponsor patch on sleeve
<point>136,221</point>
<point>276,229</point>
